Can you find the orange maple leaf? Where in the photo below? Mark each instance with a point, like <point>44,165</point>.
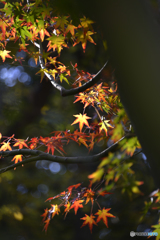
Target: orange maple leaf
<point>77,204</point>
<point>6,146</point>
<point>68,205</point>
<point>42,33</point>
<point>44,215</point>
<point>46,224</point>
<point>103,214</point>
<point>81,119</point>
<point>17,158</point>
<point>67,209</point>
<point>70,28</point>
<point>4,54</point>
<point>3,26</point>
<point>89,194</point>
<point>89,220</point>
<point>20,143</point>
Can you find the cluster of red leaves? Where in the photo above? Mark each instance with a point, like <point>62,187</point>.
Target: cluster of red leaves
<point>55,142</point>
<point>75,197</point>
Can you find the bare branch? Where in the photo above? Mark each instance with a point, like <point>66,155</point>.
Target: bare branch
<point>46,156</point>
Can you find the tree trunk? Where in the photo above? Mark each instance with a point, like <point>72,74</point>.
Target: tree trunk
<point>133,38</point>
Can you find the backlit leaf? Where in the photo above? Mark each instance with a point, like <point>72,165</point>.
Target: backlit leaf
<point>89,220</point>
<point>81,119</point>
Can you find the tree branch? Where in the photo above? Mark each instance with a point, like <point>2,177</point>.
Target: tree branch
<point>90,83</point>
<point>66,92</point>
<point>53,158</point>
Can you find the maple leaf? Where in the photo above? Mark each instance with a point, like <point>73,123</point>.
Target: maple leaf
<point>17,158</point>
<point>44,215</point>
<point>82,97</point>
<point>83,37</point>
<point>104,124</point>
<point>131,145</point>
<point>53,72</point>
<point>89,195</point>
<point>68,205</point>
<point>42,33</point>
<point>70,28</point>
<point>81,119</point>
<point>54,210</point>
<point>85,22</point>
<point>97,175</point>
<point>73,186</point>
<point>61,21</point>
<point>46,224</point>
<point>103,214</point>
<point>3,26</point>
<point>103,193</point>
<point>4,54</point>
<point>118,132</point>
<point>34,142</point>
<point>89,220</point>
<point>56,42</point>
<point>77,204</point>
<point>21,143</point>
<point>5,146</point>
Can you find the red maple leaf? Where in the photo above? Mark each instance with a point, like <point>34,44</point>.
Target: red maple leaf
<point>77,204</point>
<point>89,220</point>
<point>103,214</point>
<point>81,119</point>
<point>103,193</point>
<point>73,186</point>
<point>34,141</point>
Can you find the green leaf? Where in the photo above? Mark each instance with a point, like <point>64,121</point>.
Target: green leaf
<point>62,77</point>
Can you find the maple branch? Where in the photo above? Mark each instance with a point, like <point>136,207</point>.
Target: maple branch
<point>39,155</point>
<point>41,62</point>
<point>66,92</point>
<point>90,83</point>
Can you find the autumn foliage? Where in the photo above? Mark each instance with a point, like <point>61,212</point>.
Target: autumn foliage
<point>34,23</point>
